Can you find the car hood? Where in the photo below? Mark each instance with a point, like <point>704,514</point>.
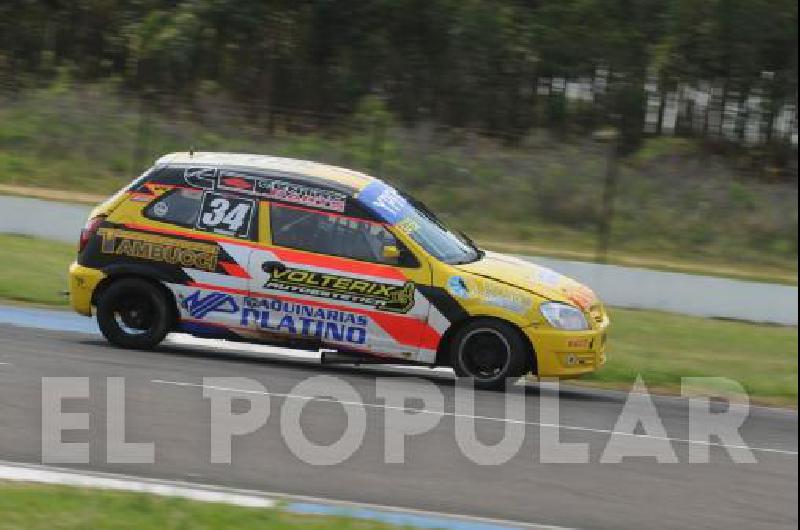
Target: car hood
<point>532,278</point>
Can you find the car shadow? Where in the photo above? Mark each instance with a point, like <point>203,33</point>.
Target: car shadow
<point>442,377</point>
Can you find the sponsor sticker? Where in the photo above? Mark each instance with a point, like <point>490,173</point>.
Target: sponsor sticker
<point>458,287</point>
<point>549,277</point>
<point>384,296</point>
<point>300,194</point>
<point>490,293</point>
<point>160,209</point>
<point>506,297</point>
<point>225,214</point>
<point>198,306</point>
<point>194,255</point>
<point>266,188</point>
<point>270,315</point>
<point>294,318</point>
<point>386,202</point>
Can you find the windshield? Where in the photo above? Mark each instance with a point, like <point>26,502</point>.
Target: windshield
<point>413,218</point>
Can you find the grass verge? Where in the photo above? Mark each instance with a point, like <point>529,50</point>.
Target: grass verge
<point>34,270</point>
<point>662,347</point>
<point>45,507</point>
<point>676,205</point>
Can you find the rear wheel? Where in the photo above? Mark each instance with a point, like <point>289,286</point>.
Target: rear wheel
<point>489,351</point>
<point>134,313</point>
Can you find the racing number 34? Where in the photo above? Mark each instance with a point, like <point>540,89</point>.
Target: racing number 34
<point>225,214</point>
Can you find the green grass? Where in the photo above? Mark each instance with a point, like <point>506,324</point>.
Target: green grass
<point>34,270</point>
<point>662,347</point>
<point>44,507</point>
<point>678,207</point>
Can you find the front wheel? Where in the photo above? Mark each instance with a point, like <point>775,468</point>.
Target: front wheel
<point>134,313</point>
<point>489,351</point>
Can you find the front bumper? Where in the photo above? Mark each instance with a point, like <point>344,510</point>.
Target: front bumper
<point>82,283</point>
<point>567,354</point>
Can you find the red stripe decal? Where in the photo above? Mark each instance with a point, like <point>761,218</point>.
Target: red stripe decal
<point>193,235</point>
<point>294,256</point>
<point>339,264</point>
<point>323,212</point>
<point>234,269</point>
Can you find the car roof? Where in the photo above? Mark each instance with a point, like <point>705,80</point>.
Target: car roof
<point>301,169</point>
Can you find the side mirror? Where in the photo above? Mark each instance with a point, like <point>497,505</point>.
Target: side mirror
<point>391,253</point>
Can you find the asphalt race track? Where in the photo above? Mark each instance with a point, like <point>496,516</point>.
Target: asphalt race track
<point>165,405</point>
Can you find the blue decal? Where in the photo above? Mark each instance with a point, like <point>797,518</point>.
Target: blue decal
<point>458,287</point>
<point>200,307</point>
<point>385,202</point>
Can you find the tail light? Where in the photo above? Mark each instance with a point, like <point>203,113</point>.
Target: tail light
<point>89,230</point>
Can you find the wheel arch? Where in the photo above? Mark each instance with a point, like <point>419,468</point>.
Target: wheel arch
<point>113,276</point>
<point>443,348</point>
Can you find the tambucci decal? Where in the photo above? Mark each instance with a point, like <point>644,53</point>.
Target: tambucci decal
<point>384,296</point>
<point>194,255</point>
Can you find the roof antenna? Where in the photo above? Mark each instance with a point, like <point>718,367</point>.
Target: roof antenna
<point>191,150</point>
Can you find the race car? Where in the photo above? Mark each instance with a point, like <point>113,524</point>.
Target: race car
<point>306,255</point>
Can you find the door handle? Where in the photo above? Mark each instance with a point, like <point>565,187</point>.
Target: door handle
<point>271,266</point>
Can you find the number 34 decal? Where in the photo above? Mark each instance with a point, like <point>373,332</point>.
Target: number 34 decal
<point>225,215</point>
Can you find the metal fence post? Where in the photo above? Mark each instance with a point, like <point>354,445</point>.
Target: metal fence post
<point>610,138</point>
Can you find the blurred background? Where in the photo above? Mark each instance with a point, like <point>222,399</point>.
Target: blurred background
<point>661,132</point>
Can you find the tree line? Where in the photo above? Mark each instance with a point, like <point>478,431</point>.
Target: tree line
<point>461,63</point>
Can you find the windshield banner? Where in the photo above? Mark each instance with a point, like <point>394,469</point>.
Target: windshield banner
<point>385,202</point>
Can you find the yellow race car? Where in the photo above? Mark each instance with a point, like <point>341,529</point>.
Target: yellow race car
<point>301,254</point>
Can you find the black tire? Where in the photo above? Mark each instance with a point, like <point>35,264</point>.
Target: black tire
<point>489,351</point>
<point>134,313</point>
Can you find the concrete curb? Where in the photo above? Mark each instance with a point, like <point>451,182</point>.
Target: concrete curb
<point>42,474</point>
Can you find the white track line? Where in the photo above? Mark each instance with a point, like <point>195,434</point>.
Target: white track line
<point>475,417</point>
<point>48,475</point>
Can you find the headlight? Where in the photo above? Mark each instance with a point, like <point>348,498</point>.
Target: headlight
<point>563,316</point>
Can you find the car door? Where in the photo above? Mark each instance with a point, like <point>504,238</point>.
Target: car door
<point>344,281</point>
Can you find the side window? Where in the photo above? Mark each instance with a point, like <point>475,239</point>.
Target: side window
<point>220,213</point>
<point>335,235</point>
<point>180,206</point>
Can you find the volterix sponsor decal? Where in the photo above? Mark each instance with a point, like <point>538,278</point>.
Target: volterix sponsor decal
<point>384,296</point>
<point>326,325</point>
